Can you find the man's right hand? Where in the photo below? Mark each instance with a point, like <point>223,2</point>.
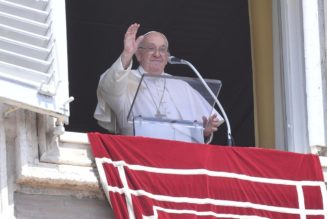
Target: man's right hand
<point>130,44</point>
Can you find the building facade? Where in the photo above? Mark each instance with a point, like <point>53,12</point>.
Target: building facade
<point>46,172</point>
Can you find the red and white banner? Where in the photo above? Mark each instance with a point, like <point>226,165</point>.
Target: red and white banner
<point>147,178</point>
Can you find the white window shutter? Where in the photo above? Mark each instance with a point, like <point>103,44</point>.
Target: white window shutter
<point>33,56</point>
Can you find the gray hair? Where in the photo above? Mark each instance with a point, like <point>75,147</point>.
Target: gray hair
<point>153,31</point>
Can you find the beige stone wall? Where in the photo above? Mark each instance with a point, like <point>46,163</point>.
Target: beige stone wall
<point>49,187</point>
<point>42,206</point>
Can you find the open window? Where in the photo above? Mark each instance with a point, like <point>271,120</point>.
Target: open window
<point>34,85</point>
<point>33,57</point>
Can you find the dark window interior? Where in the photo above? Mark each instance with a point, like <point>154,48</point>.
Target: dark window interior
<point>214,35</point>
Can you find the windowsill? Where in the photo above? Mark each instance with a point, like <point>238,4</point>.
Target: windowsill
<point>64,163</point>
<point>75,137</point>
<point>321,151</point>
<point>46,162</point>
<point>323,162</point>
<point>73,149</point>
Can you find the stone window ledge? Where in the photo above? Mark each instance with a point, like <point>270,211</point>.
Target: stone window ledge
<point>46,161</point>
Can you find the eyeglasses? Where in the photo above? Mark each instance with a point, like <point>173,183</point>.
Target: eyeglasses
<point>152,49</point>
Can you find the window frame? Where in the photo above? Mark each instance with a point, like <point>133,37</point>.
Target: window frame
<point>296,120</point>
<point>66,160</point>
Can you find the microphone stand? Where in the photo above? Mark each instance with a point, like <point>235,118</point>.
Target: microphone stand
<point>174,60</point>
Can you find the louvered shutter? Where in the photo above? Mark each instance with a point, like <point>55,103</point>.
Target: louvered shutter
<point>33,56</point>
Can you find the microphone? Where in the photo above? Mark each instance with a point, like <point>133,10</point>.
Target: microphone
<point>174,60</point>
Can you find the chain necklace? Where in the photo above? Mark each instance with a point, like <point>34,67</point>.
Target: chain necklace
<point>158,113</point>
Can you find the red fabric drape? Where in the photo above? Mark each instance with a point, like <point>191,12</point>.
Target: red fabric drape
<point>170,179</point>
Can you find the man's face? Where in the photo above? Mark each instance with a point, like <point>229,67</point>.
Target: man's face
<point>153,53</point>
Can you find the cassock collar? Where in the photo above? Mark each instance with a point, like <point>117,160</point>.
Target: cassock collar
<point>141,71</point>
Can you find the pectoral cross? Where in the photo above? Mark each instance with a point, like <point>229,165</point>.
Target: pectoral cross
<point>159,115</point>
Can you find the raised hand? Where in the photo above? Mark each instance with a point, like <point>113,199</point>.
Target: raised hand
<point>130,44</point>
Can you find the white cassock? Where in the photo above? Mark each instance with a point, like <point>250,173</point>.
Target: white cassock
<point>162,97</point>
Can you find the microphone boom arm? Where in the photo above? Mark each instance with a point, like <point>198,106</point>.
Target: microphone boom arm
<point>174,60</point>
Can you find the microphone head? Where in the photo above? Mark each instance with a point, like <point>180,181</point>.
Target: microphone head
<point>174,60</point>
